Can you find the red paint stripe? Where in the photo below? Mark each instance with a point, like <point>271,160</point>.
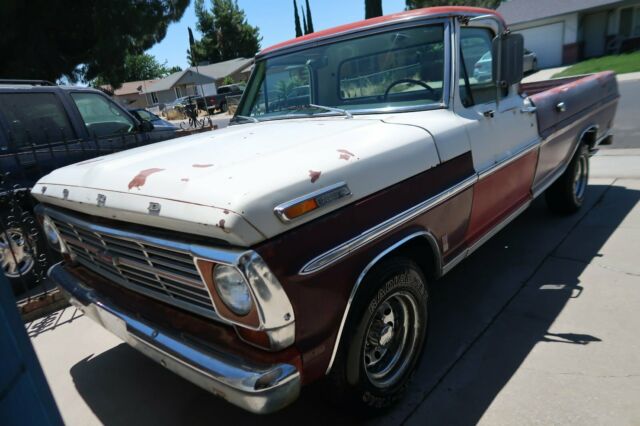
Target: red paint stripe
<point>429,11</point>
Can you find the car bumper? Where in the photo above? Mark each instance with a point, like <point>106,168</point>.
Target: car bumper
<point>256,388</point>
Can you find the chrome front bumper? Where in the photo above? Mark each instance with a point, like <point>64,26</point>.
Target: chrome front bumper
<point>259,389</point>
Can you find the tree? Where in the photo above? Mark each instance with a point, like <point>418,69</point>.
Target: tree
<point>226,34</point>
<point>416,4</point>
<point>372,8</point>
<point>309,25</point>
<point>304,21</point>
<point>137,67</point>
<point>80,39</point>
<point>296,17</point>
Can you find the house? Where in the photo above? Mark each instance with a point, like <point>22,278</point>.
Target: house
<point>130,94</point>
<point>203,79</point>
<point>566,31</point>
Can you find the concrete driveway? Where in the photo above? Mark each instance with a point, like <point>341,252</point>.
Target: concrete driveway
<point>538,326</point>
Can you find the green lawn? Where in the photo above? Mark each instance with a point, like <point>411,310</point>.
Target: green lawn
<point>627,62</point>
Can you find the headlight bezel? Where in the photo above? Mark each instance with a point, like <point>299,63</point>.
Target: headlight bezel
<point>49,228</point>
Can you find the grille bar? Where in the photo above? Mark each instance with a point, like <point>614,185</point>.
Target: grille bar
<point>166,274</point>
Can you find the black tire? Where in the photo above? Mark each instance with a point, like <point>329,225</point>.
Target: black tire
<point>394,288</point>
<point>566,195</point>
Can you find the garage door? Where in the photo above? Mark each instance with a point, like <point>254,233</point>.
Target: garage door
<point>546,41</point>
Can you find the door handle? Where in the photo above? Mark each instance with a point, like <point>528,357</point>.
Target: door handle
<point>561,107</point>
<point>528,109</point>
<point>489,113</point>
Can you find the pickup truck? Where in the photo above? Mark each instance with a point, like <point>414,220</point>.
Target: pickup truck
<point>298,244</point>
<point>219,100</point>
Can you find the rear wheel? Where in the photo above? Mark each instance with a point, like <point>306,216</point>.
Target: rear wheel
<point>566,195</point>
<point>383,338</point>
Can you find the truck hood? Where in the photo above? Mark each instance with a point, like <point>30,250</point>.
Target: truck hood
<point>226,183</point>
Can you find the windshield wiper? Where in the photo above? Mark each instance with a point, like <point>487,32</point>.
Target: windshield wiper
<point>244,117</point>
<point>331,109</point>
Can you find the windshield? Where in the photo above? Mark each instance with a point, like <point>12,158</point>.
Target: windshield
<point>378,72</point>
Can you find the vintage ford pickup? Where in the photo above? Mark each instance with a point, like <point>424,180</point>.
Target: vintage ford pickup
<point>363,162</point>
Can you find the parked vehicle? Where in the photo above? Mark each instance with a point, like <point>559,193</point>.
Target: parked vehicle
<point>43,127</point>
<point>158,123</point>
<point>219,101</point>
<point>298,244</point>
<point>482,69</point>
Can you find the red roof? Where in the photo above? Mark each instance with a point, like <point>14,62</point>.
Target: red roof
<point>435,11</point>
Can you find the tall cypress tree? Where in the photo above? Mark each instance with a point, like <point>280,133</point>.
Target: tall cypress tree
<point>372,8</point>
<point>296,17</point>
<point>309,19</point>
<point>304,21</point>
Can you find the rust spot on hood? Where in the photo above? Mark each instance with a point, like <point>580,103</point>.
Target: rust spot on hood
<point>345,155</point>
<point>314,175</point>
<point>202,166</point>
<point>225,211</point>
<point>141,178</point>
<point>221,225</point>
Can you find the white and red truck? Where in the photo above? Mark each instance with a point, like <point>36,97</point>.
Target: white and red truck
<point>296,245</point>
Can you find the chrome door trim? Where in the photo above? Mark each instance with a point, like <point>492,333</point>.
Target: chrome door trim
<point>531,146</point>
<point>333,255</point>
<point>336,344</point>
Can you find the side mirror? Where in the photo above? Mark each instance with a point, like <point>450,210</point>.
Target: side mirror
<point>145,126</point>
<point>507,51</point>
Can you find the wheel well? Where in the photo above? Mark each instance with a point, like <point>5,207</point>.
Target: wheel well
<point>589,136</point>
<point>422,250</point>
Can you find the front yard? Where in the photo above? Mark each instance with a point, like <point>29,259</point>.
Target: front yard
<point>627,62</point>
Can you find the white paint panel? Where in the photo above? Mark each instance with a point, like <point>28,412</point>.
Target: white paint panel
<point>546,41</point>
<point>240,173</point>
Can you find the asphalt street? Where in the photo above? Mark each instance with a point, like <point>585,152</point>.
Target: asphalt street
<point>538,326</point>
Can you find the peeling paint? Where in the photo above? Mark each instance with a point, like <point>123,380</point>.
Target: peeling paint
<point>221,225</point>
<point>314,175</point>
<point>202,166</point>
<point>226,211</point>
<point>140,179</point>
<point>345,155</point>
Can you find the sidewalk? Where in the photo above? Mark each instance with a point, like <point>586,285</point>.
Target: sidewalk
<point>538,326</point>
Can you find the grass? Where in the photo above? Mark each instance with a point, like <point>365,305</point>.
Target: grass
<point>627,62</point>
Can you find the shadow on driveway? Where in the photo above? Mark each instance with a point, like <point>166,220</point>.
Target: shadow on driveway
<point>123,387</point>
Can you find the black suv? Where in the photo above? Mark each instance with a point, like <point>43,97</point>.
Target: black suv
<point>43,127</point>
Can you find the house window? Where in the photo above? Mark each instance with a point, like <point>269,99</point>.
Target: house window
<point>154,98</point>
<point>636,22</point>
<point>626,21</point>
<point>178,92</point>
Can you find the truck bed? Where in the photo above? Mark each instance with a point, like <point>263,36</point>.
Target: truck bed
<point>582,96</point>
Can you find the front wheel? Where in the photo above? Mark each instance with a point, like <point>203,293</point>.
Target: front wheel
<point>383,338</point>
<point>566,195</point>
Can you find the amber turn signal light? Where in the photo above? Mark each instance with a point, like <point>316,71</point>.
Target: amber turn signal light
<point>301,208</point>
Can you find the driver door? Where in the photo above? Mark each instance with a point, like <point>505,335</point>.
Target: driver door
<point>502,137</point>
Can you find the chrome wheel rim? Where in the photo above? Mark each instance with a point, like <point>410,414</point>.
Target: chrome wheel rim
<point>580,178</point>
<point>391,339</point>
<point>16,257</point>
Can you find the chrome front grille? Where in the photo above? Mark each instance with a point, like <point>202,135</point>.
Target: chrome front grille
<point>166,274</point>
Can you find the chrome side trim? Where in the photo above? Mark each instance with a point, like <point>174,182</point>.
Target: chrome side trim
<point>505,162</point>
<point>329,257</point>
<point>364,272</point>
<point>257,388</point>
<point>467,252</point>
<point>279,210</point>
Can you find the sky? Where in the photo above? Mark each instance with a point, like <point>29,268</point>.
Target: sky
<point>273,17</point>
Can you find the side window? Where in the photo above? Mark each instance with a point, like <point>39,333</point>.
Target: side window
<point>101,116</point>
<point>35,118</point>
<point>476,73</point>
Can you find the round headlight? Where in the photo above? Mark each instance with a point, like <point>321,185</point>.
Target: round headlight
<point>233,289</point>
<point>51,233</point>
